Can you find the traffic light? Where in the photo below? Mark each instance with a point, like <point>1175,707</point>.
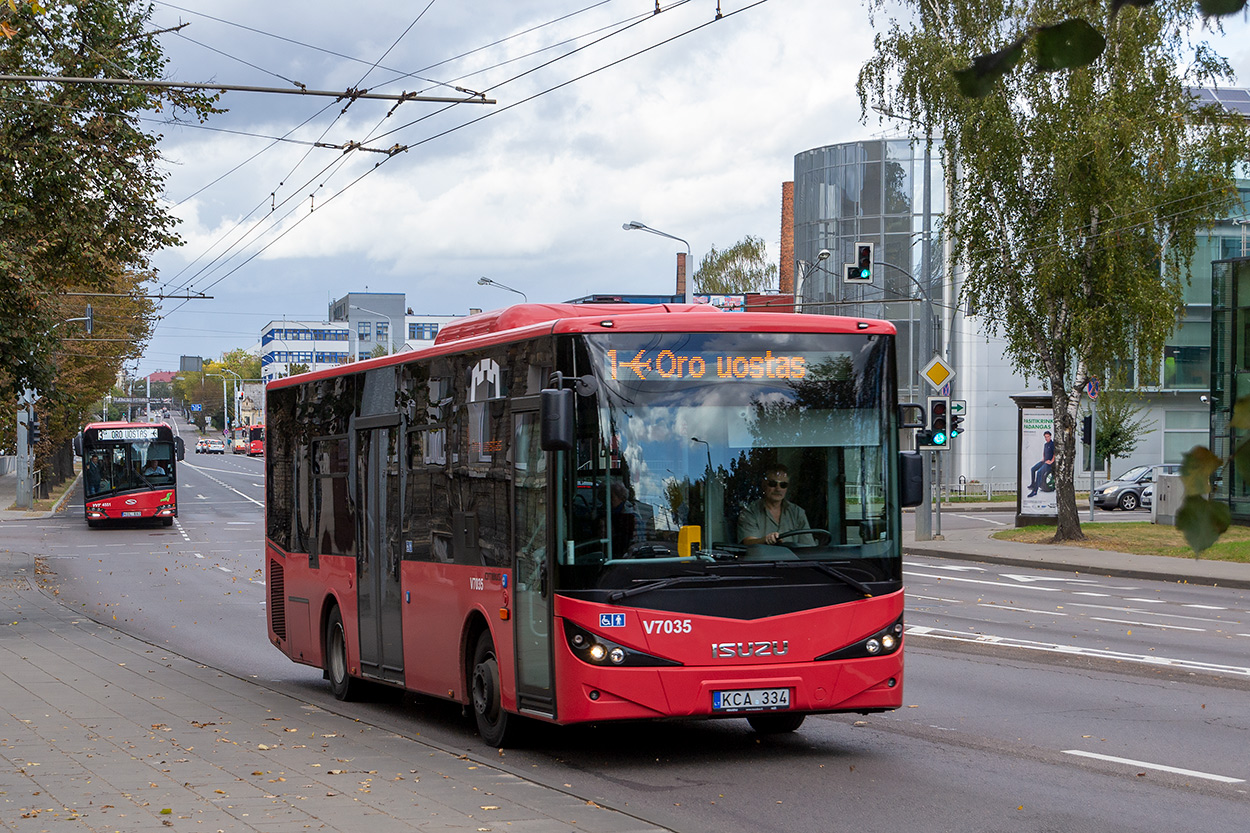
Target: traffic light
<point>957,422</point>
<point>860,271</point>
<point>1087,426</point>
<point>32,430</point>
<point>863,260</point>
<point>938,420</point>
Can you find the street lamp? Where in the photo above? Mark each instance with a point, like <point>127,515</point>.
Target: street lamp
<point>236,393</point>
<point>634,225</point>
<point>390,338</point>
<point>492,282</point>
<point>808,269</point>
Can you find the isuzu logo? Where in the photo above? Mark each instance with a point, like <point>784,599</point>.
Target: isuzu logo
<point>728,650</point>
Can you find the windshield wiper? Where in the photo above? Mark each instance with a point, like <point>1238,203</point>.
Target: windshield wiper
<point>830,571</point>
<point>697,578</point>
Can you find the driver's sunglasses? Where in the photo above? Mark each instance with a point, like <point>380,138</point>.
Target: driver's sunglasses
<point>780,484</point>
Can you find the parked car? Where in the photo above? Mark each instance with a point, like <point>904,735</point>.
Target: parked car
<point>1147,496</point>
<point>1125,492</point>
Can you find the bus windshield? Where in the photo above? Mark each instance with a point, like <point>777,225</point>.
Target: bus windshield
<point>113,466</point>
<point>728,448</point>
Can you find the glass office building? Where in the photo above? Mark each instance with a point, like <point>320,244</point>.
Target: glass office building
<point>873,192</point>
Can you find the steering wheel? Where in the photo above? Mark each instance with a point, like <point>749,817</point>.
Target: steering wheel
<point>818,533</point>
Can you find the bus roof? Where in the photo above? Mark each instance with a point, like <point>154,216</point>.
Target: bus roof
<point>124,424</point>
<point>531,320</point>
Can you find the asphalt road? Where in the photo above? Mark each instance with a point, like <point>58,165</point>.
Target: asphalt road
<point>1034,701</point>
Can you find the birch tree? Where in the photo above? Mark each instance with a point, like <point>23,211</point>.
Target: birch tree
<point>1076,195</point>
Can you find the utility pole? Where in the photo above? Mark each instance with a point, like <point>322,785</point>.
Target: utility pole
<point>25,450</point>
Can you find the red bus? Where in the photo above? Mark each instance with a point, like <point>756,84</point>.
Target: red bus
<point>129,471</point>
<point>542,516</point>
<point>254,440</point>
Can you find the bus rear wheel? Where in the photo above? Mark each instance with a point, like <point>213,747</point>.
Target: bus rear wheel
<point>496,726</point>
<point>341,682</point>
<point>775,723</point>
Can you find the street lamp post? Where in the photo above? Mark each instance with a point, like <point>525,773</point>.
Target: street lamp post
<point>390,337</point>
<point>634,225</point>
<point>225,405</point>
<point>491,282</point>
<point>808,269</point>
<point>236,394</point>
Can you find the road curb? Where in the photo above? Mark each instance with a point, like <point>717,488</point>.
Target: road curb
<point>1178,577</point>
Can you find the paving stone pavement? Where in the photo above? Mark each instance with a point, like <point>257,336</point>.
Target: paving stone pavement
<point>100,731</point>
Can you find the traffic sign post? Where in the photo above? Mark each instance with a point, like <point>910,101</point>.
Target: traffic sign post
<point>1092,389</point>
<point>937,373</point>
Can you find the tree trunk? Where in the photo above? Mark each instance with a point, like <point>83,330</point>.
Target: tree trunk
<point>1068,523</point>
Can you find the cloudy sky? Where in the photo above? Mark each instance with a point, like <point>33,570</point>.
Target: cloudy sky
<point>606,112</point>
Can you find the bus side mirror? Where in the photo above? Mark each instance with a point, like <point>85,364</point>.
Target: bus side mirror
<point>555,410</point>
<point>180,448</point>
<point>911,478</point>
<point>911,415</point>
<point>77,445</point>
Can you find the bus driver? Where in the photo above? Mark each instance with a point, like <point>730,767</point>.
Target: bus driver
<point>765,520</point>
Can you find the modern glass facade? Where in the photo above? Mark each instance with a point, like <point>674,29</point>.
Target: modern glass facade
<point>1230,372</point>
<point>873,192</point>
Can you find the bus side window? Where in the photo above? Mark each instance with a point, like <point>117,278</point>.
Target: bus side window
<point>417,494</point>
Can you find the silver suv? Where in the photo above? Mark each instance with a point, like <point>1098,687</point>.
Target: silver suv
<point>1125,491</point>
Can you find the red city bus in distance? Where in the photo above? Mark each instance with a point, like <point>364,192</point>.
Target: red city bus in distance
<point>129,471</point>
<point>254,440</point>
<point>562,512</point>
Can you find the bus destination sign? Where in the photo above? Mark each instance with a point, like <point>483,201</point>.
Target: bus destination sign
<point>127,433</point>
<point>673,365</point>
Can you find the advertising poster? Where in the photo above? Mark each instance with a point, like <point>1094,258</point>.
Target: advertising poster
<point>1037,462</point>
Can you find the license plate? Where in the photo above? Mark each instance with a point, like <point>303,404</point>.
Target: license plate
<point>132,514</point>
<point>751,699</point>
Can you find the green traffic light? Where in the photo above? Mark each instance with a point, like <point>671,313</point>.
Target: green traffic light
<point>939,438</point>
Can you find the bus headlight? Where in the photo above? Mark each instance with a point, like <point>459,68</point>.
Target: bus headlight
<point>883,642</point>
<point>594,649</point>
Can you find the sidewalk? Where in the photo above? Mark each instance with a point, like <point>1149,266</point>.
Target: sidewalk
<point>977,545</point>
<point>112,733</point>
<point>8,496</point>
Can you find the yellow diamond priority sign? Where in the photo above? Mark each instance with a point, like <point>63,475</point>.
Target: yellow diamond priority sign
<point>937,373</point>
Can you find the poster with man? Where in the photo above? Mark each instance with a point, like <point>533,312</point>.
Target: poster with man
<point>1037,462</point>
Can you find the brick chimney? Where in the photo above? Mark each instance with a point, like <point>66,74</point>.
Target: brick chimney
<point>681,275</point>
<point>785,270</point>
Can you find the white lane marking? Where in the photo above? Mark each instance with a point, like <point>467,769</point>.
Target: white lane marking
<point>983,520</point>
<point>1023,609</point>
<point>1023,579</point>
<point>935,599</point>
<point>1148,625</point>
<point>1074,650</point>
<point>226,485</point>
<point>1149,613</point>
<point>224,569</point>
<point>1224,779</point>
<point>1148,601</point>
<point>1087,593</point>
<point>997,584</point>
<point>1205,607</point>
<point>953,567</point>
<point>240,523</point>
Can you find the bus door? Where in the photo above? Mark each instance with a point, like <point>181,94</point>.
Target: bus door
<point>531,562</point>
<point>377,571</point>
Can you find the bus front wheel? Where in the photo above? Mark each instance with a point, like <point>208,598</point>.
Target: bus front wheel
<point>341,682</point>
<point>495,725</point>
